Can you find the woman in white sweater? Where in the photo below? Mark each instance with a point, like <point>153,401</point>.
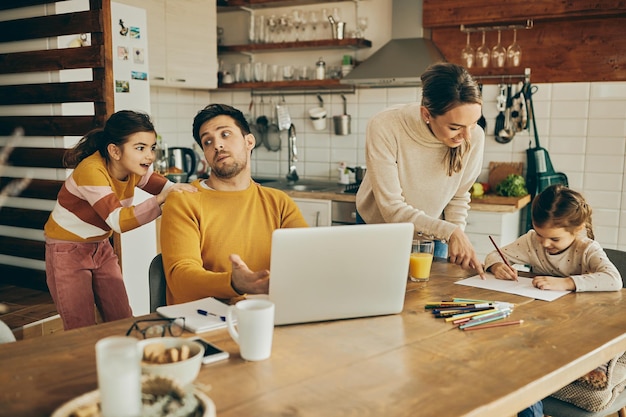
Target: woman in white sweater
<point>422,160</point>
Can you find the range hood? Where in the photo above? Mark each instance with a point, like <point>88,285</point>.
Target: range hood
<point>402,60</point>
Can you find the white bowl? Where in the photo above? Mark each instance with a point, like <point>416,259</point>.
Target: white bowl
<point>185,372</point>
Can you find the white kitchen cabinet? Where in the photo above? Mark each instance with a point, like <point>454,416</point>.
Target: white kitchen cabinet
<point>503,227</point>
<point>316,212</point>
<point>182,42</point>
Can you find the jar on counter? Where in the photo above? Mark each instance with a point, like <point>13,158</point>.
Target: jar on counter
<point>320,69</point>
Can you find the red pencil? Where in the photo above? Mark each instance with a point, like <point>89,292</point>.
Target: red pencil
<point>500,324</point>
<point>500,252</point>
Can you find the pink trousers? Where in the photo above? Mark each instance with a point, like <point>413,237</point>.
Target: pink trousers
<point>80,275</point>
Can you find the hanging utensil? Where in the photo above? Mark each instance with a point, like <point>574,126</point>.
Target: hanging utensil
<point>262,124</point>
<point>273,139</point>
<point>482,122</point>
<point>342,121</point>
<point>282,113</point>
<point>519,115</point>
<point>254,128</point>
<point>501,106</point>
<point>506,134</point>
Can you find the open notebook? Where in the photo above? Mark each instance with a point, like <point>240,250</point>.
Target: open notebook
<point>329,273</point>
<point>194,321</point>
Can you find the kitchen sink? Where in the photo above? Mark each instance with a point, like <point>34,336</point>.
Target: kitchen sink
<point>300,185</point>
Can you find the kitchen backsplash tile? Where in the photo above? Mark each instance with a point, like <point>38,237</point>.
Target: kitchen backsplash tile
<point>583,125</point>
<point>570,91</point>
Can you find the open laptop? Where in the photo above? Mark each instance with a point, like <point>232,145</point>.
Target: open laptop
<point>329,273</point>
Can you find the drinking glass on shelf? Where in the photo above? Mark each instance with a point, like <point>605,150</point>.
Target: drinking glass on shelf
<point>272,27</point>
<point>314,20</point>
<point>297,18</point>
<point>483,54</point>
<point>467,54</point>
<point>498,53</point>
<point>361,23</point>
<point>514,52</point>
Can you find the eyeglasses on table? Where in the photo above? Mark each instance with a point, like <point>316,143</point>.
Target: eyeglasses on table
<point>148,328</point>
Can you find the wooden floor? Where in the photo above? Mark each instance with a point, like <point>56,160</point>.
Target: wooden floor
<point>31,313</point>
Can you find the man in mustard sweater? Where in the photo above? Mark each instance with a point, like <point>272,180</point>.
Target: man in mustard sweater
<point>217,242</point>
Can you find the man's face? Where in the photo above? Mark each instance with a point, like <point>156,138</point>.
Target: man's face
<point>225,148</point>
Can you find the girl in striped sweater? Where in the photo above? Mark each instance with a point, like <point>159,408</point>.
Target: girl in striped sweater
<point>96,200</point>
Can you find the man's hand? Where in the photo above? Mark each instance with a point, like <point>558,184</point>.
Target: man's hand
<point>245,281</point>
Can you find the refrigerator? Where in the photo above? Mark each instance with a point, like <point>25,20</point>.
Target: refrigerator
<point>132,92</point>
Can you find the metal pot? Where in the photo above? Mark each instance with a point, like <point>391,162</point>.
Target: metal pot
<point>359,173</point>
<point>342,122</point>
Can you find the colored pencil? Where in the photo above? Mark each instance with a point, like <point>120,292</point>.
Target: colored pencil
<point>489,326</point>
<point>500,252</point>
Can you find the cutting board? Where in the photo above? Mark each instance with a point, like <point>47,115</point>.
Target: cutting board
<point>498,171</point>
<point>499,200</point>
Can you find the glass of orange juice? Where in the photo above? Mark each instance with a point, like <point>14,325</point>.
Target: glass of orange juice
<point>421,259</point>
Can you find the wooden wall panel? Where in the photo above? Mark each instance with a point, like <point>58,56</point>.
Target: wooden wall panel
<point>567,51</point>
<point>571,41</point>
<point>99,93</point>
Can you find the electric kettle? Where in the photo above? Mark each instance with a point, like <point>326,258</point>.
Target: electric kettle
<point>184,159</point>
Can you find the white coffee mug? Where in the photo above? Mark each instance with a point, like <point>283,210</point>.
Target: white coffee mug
<point>255,328</point>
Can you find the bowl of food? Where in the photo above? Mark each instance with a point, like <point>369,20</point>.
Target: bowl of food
<point>174,357</point>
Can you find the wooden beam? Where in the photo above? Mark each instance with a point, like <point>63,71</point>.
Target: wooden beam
<point>50,125</point>
<point>50,26</point>
<point>37,157</point>
<point>52,60</point>
<point>69,92</point>
<point>40,189</point>
<point>23,248</point>
<point>23,277</point>
<point>20,217</point>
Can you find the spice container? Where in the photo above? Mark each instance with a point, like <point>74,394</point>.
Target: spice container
<point>320,69</point>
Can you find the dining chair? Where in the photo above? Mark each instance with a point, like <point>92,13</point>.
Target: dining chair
<point>157,284</point>
<point>618,257</point>
<point>6,335</point>
<point>557,408</point>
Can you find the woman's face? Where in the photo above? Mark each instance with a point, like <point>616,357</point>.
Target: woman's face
<point>455,126</point>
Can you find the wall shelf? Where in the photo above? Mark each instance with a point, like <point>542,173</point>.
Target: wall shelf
<point>259,4</point>
<point>256,48</point>
<point>298,86</point>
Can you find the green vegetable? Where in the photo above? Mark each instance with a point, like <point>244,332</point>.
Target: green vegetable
<point>513,186</point>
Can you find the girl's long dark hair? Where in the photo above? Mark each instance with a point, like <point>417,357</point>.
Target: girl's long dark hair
<point>444,87</point>
<point>558,206</point>
<point>116,130</point>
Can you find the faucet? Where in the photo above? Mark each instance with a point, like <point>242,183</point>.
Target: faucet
<point>292,175</point>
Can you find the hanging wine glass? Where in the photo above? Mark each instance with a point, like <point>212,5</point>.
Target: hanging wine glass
<point>514,52</point>
<point>498,53</point>
<point>483,54</point>
<point>467,54</point>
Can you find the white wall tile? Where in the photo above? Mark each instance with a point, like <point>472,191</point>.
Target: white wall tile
<point>583,126</point>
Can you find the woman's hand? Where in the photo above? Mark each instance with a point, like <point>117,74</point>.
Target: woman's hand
<point>554,283</point>
<point>502,271</point>
<point>178,187</point>
<point>245,281</point>
<point>461,252</point>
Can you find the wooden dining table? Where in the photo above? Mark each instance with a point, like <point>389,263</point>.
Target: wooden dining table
<point>407,364</point>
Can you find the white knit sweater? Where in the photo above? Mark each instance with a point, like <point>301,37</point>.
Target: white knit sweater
<point>407,178</point>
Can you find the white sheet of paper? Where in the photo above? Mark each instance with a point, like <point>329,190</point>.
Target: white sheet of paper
<point>523,287</point>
